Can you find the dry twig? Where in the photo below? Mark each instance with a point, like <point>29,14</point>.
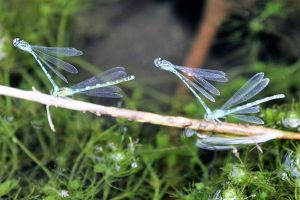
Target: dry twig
<point>216,11</point>
<point>144,117</point>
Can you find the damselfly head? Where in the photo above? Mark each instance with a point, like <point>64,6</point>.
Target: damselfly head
<point>16,41</point>
<point>163,64</point>
<point>21,44</point>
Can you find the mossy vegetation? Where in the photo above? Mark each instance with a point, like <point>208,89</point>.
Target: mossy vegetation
<point>104,158</point>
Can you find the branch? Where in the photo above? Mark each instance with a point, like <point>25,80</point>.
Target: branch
<point>144,117</point>
<point>216,11</point>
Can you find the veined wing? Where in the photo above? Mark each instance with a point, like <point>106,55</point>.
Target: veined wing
<point>251,88</point>
<point>208,74</point>
<point>200,80</point>
<point>211,147</point>
<point>220,142</point>
<point>249,119</point>
<point>206,85</point>
<point>109,92</point>
<point>109,75</point>
<point>249,110</point>
<point>54,70</point>
<point>57,62</point>
<point>197,87</point>
<point>58,51</point>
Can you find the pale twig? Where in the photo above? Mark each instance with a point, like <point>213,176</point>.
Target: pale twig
<point>145,117</point>
<point>52,127</point>
<point>50,122</point>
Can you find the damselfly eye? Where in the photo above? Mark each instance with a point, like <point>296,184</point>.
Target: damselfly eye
<point>16,41</point>
<point>157,61</point>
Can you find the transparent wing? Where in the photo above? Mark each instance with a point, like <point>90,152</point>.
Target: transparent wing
<point>58,51</point>
<point>251,88</point>
<point>109,75</point>
<point>249,119</point>
<point>250,110</point>
<point>53,70</point>
<point>57,62</point>
<point>111,89</point>
<point>202,91</point>
<point>109,92</point>
<point>203,145</point>
<point>221,142</point>
<point>209,87</point>
<point>202,75</point>
<point>208,74</point>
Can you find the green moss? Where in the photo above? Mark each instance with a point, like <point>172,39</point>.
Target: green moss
<point>7,186</point>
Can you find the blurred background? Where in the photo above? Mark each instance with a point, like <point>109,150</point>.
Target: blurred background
<point>104,158</point>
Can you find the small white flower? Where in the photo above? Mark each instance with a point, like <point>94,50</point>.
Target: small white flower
<point>63,193</point>
<point>117,167</point>
<point>284,176</point>
<point>134,165</point>
<point>118,157</point>
<point>112,146</point>
<point>237,174</point>
<point>131,147</point>
<point>292,165</point>
<point>99,149</point>
<point>292,120</point>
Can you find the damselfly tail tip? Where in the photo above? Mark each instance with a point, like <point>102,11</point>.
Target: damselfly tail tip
<point>79,53</point>
<point>261,123</point>
<point>131,77</point>
<point>260,74</point>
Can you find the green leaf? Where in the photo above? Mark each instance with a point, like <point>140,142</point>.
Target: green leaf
<point>7,186</point>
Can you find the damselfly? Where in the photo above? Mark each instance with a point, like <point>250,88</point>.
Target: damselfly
<point>100,86</point>
<point>47,56</point>
<point>251,88</point>
<point>221,142</point>
<point>200,76</point>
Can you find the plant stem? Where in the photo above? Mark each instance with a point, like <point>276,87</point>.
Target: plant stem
<point>146,117</point>
<point>31,156</point>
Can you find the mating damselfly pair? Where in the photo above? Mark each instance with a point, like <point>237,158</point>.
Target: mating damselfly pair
<point>201,77</point>
<point>102,85</point>
<point>241,112</point>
